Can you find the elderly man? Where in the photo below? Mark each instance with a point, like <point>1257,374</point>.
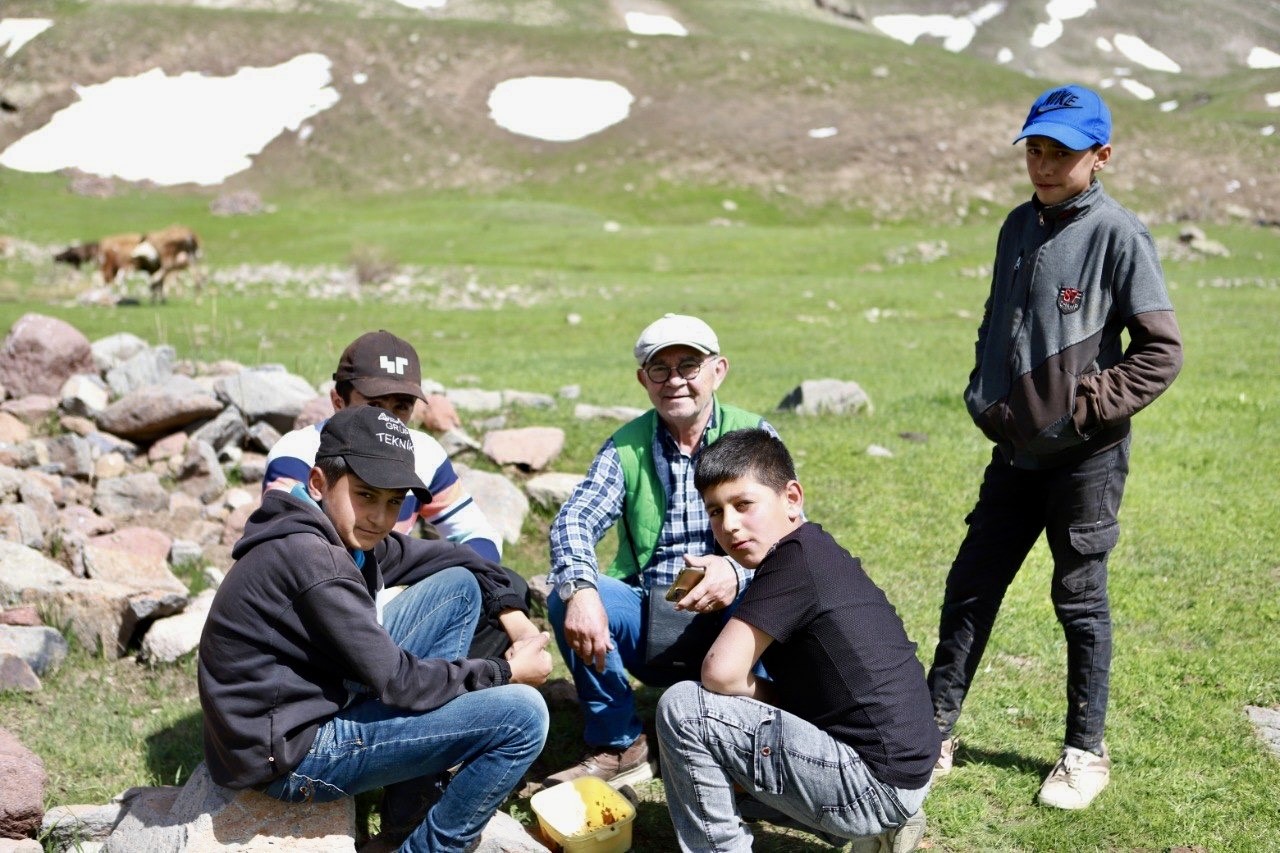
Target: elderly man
<point>643,478</point>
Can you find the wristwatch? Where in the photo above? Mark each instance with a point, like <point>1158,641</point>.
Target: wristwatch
<point>568,588</point>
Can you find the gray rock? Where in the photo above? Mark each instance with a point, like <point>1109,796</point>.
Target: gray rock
<point>261,437</point>
<point>40,353</point>
<point>130,495</point>
<point>225,428</point>
<point>588,412</point>
<point>203,817</point>
<point>150,366</point>
<point>72,455</point>
<point>174,636</point>
<point>529,448</point>
<point>827,396</point>
<point>498,498</point>
<point>252,467</point>
<point>67,827</point>
<point>505,834</point>
<point>115,349</point>
<point>553,488</point>
<point>184,552</point>
<point>19,523</point>
<point>84,395</point>
<point>22,780</point>
<point>474,399</point>
<point>268,394</point>
<point>457,441</point>
<point>148,413</point>
<point>528,399</point>
<point>570,392</point>
<point>201,474</point>
<point>1266,722</point>
<point>43,648</point>
<point>17,675</point>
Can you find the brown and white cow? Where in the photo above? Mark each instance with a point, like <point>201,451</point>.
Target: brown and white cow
<point>156,253</point>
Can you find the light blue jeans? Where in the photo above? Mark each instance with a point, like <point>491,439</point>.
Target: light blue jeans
<point>607,700</point>
<point>495,734</point>
<point>710,742</point>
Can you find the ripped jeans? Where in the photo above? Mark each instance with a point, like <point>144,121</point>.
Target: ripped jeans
<point>711,742</point>
<point>1075,507</point>
<point>495,733</point>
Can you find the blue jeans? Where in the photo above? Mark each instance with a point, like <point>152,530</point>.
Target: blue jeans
<point>607,700</point>
<point>495,734</point>
<point>710,742</point>
<point>1075,507</point>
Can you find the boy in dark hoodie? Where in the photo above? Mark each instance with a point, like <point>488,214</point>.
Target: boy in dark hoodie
<point>1054,388</point>
<point>314,688</point>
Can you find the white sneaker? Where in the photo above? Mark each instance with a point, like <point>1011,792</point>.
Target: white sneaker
<point>946,758</point>
<point>1076,779</point>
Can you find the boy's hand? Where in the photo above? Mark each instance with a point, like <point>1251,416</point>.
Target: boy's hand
<point>717,589</point>
<point>529,659</point>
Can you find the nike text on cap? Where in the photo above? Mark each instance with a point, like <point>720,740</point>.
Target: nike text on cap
<point>376,446</point>
<point>378,363</point>
<point>1072,115</point>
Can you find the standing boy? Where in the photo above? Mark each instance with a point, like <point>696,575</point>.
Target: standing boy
<point>313,690</point>
<point>841,739</point>
<point>1054,389</point>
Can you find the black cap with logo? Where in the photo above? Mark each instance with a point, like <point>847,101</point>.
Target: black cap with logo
<point>376,446</point>
<point>378,363</point>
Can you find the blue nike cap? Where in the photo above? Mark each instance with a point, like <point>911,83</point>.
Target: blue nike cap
<point>1072,115</point>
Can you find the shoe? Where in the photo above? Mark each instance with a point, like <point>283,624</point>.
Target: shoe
<point>908,836</point>
<point>946,758</point>
<point>618,767</point>
<point>1076,779</point>
<point>904,839</point>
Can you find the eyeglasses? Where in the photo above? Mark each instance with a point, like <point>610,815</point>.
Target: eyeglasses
<point>687,370</point>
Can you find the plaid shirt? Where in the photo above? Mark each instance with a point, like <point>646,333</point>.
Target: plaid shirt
<point>596,505</point>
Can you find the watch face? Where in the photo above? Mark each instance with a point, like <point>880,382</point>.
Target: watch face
<point>566,590</point>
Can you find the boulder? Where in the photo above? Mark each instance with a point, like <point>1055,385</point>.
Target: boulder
<point>474,399</point>
<point>17,675</point>
<point>70,827</point>
<point>115,349</point>
<point>72,455</point>
<point>149,366</point>
<point>130,495</point>
<point>12,429</point>
<point>42,648</point>
<point>437,414</point>
<point>226,428</point>
<point>84,395</point>
<point>31,409</point>
<point>40,353</point>
<point>498,498</point>
<point>268,393</point>
<point>827,396</point>
<point>528,448</point>
<point>156,410</point>
<point>22,780</point>
<point>98,613</point>
<point>528,399</point>
<point>553,488</point>
<point>19,523</point>
<point>587,412</point>
<point>174,636</point>
<point>203,817</point>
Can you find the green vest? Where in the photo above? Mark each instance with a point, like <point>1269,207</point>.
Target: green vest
<point>644,505</point>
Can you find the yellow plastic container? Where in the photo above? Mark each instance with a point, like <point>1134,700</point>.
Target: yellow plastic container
<point>585,815</point>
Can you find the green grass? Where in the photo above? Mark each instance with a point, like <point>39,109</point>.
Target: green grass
<point>1193,581</point>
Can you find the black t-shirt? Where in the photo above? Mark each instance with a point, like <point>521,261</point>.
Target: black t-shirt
<point>841,658</point>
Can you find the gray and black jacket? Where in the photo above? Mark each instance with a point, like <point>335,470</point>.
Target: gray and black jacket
<point>1051,384</point>
<point>295,625</point>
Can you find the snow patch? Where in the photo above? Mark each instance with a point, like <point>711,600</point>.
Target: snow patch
<point>956,32</point>
<point>16,32</point>
<point>558,109</point>
<point>1137,50</point>
<point>211,125</point>
<point>1260,57</point>
<point>645,24</point>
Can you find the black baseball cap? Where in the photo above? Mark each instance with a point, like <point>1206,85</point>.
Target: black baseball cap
<point>377,448</point>
<point>378,363</point>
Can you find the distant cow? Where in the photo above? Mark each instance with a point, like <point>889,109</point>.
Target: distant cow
<point>156,253</point>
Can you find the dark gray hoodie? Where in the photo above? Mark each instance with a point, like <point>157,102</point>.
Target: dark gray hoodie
<point>295,620</point>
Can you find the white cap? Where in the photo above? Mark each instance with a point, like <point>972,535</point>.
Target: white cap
<point>675,330</point>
